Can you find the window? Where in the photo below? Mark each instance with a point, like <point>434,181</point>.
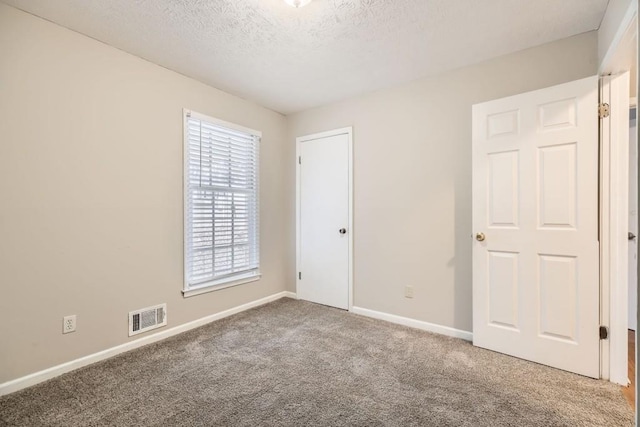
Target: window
<point>221,204</point>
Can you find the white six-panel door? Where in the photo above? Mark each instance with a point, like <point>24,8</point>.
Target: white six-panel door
<point>535,224</point>
<point>324,226</point>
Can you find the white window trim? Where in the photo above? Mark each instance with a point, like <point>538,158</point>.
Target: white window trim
<point>225,282</point>
<point>216,285</point>
<point>199,116</point>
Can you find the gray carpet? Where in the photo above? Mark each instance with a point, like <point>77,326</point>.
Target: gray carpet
<point>300,364</point>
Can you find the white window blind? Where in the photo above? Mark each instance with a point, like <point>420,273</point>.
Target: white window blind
<point>221,203</point>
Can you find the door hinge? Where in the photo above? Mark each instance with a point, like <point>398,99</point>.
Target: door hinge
<point>299,160</point>
<point>604,332</point>
<point>299,275</point>
<point>604,110</point>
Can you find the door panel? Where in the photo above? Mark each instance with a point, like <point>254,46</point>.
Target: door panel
<point>535,199</point>
<point>557,187</point>
<point>503,189</point>
<point>503,289</point>
<point>324,211</point>
<point>558,297</point>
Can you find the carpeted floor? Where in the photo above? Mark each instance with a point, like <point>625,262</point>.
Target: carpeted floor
<point>299,364</point>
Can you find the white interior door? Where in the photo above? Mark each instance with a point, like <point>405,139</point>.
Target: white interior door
<point>633,220</point>
<point>324,218</point>
<point>535,216</point>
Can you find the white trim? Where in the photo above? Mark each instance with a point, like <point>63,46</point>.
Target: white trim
<point>349,132</point>
<point>413,323</point>
<point>40,376</point>
<point>614,178</point>
<point>614,194</point>
<point>213,120</point>
<point>346,130</point>
<point>217,285</point>
<point>605,204</point>
<point>619,293</point>
<point>185,193</point>
<point>233,279</point>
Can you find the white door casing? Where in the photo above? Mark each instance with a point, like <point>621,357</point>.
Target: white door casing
<point>633,223</point>
<point>324,224</point>
<point>614,223</point>
<point>535,199</point>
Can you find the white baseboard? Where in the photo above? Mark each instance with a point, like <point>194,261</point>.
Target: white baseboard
<point>413,323</point>
<point>40,376</point>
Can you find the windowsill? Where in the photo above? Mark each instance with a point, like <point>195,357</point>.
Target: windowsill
<point>213,286</point>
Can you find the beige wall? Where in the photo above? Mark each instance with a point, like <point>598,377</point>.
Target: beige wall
<point>91,193</point>
<point>91,187</point>
<point>412,176</point>
<point>610,25</point>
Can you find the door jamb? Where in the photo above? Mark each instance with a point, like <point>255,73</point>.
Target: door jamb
<point>614,180</point>
<point>614,203</point>
<point>349,132</point>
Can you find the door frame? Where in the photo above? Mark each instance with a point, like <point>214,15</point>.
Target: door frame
<point>614,220</point>
<point>633,182</point>
<point>613,204</point>
<point>299,140</point>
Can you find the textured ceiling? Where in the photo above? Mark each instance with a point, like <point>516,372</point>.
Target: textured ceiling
<point>292,59</point>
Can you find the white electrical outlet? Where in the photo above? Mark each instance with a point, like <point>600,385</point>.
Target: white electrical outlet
<point>408,291</point>
<point>69,324</point>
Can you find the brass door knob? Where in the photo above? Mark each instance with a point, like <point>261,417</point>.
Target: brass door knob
<point>480,237</point>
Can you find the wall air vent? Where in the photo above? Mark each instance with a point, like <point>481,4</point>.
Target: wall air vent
<point>147,319</point>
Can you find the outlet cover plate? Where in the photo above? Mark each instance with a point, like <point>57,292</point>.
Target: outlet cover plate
<point>69,324</point>
<point>408,291</point>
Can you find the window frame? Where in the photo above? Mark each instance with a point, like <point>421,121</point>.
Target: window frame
<point>233,279</point>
